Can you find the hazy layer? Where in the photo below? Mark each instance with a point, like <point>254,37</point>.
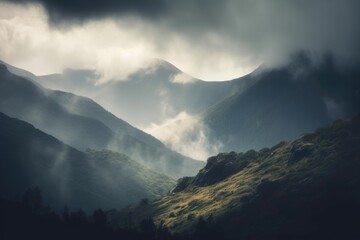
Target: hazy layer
<point>211,40</point>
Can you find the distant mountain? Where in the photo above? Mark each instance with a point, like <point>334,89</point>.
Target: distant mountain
<point>278,103</point>
<point>82,123</point>
<point>283,103</point>
<point>87,180</point>
<point>157,92</point>
<point>20,72</point>
<point>308,188</point>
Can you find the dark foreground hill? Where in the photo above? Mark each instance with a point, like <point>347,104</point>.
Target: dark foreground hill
<point>308,188</point>
<point>86,180</point>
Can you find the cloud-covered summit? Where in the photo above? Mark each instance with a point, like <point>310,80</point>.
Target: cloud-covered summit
<point>210,39</point>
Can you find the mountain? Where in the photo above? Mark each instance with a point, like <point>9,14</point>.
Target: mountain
<point>82,123</point>
<point>278,103</point>
<point>157,92</point>
<point>20,72</point>
<point>86,180</point>
<point>284,102</point>
<point>307,188</point>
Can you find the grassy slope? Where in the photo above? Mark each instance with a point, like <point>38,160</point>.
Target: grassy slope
<point>65,175</point>
<point>311,163</point>
<point>151,183</point>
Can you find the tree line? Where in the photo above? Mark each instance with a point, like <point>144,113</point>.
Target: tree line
<point>30,218</point>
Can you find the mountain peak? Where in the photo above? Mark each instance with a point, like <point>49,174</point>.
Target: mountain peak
<point>165,64</point>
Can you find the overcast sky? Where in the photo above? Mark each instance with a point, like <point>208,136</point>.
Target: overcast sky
<point>209,39</point>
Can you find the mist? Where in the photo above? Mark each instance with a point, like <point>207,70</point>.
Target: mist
<point>179,119</point>
<point>117,42</point>
<point>186,134</point>
<point>209,40</point>
<point>114,48</point>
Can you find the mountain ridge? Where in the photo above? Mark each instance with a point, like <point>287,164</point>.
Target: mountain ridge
<point>152,88</point>
<point>313,175</point>
<point>86,180</point>
<point>49,111</point>
<point>284,102</point>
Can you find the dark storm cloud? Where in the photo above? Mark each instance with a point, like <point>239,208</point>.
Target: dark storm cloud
<point>70,10</point>
<point>256,31</point>
<point>61,11</point>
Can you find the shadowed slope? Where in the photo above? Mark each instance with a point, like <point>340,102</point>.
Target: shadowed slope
<point>307,188</point>
<point>86,180</point>
<point>82,123</point>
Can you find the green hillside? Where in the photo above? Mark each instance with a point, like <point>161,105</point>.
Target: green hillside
<point>86,180</point>
<point>307,188</point>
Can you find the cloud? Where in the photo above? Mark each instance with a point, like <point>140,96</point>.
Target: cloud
<point>185,134</point>
<point>29,42</point>
<point>335,109</point>
<point>182,78</point>
<point>208,39</point>
<point>79,10</point>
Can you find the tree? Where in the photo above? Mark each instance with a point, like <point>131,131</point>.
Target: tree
<point>148,228</point>
<point>208,230</point>
<point>144,202</point>
<point>163,233</point>
<point>66,214</point>
<point>33,200</point>
<point>99,218</point>
<point>78,218</point>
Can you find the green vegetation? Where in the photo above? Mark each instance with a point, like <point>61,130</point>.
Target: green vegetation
<point>30,217</point>
<point>277,193</point>
<point>152,184</point>
<point>86,180</point>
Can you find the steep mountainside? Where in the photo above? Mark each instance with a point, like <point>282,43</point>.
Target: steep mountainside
<point>20,72</point>
<point>157,92</point>
<point>82,123</point>
<point>283,103</point>
<point>307,188</point>
<point>278,103</point>
<point>86,180</point>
